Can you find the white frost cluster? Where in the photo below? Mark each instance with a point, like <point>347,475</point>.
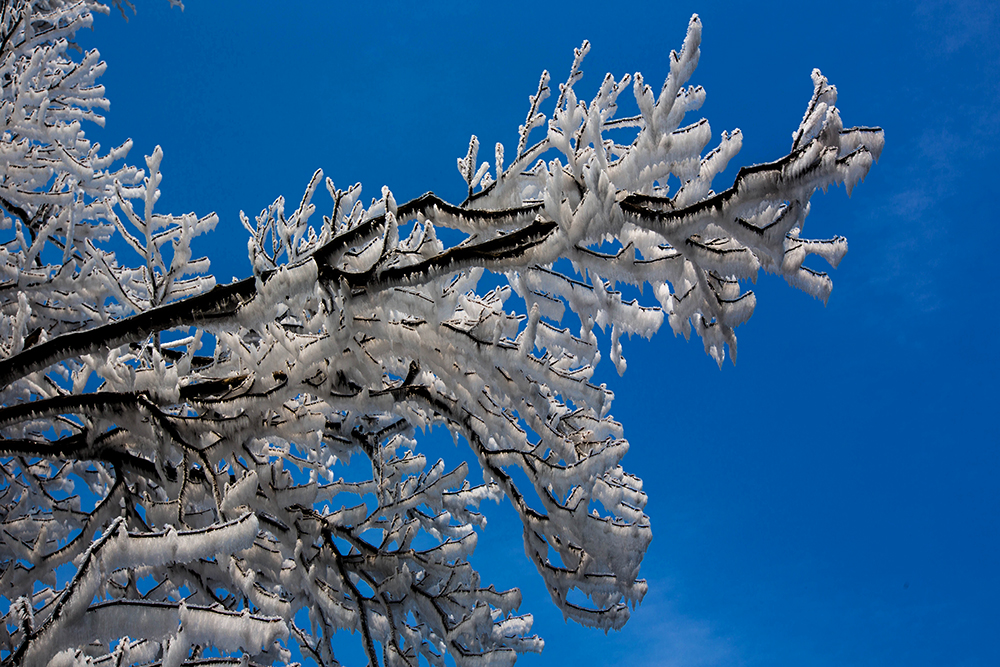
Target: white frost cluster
<point>199,500</point>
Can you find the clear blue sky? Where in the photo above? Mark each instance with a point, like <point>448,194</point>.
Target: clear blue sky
<point>834,498</point>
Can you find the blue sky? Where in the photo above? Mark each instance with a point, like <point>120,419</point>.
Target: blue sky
<point>833,498</point>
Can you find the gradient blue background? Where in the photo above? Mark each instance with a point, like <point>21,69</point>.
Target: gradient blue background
<point>830,500</point>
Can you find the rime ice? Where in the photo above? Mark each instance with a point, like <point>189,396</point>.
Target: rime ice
<point>213,424</point>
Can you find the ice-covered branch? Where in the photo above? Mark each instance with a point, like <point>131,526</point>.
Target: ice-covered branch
<point>181,443</point>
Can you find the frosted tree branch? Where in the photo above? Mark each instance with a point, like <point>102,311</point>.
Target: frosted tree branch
<point>180,446</point>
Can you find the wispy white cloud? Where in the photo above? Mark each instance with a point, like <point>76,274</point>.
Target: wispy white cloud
<point>959,23</point>
<point>677,640</point>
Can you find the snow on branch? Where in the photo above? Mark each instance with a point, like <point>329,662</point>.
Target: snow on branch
<point>182,446</point>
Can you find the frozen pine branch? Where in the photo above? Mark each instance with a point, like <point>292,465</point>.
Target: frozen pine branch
<point>181,446</point>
